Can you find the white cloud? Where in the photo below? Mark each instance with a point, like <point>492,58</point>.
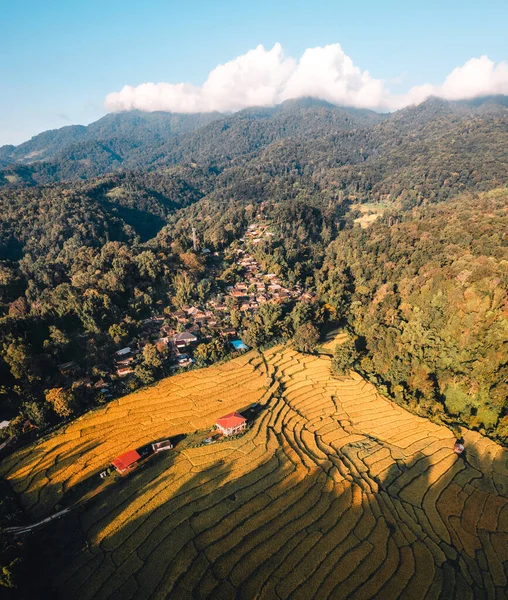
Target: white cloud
<point>477,77</point>
<point>253,79</point>
<point>266,77</point>
<point>329,74</point>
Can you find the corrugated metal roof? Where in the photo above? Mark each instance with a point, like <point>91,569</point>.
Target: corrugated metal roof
<point>124,461</point>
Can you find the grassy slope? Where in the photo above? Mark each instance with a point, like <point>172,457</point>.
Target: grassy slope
<point>334,491</point>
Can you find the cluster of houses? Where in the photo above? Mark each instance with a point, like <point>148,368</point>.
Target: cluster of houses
<point>197,325</point>
<point>231,424</point>
<point>182,330</point>
<point>257,287</point>
<point>71,371</point>
<point>254,289</point>
<point>256,232</point>
<point>124,359</point>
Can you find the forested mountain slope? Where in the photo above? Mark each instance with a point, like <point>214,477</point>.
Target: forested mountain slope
<point>137,139</point>
<point>142,127</point>
<point>426,291</point>
<point>434,150</point>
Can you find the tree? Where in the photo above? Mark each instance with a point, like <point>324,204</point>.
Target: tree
<point>22,364</point>
<point>236,318</point>
<point>254,335</point>
<point>94,309</point>
<point>232,274</point>
<point>148,265</point>
<point>231,303</point>
<point>58,338</point>
<point>118,332</point>
<point>144,374</point>
<point>269,315</point>
<point>211,352</point>
<point>193,262</point>
<point>219,236</point>
<point>35,412</point>
<point>306,337</point>
<point>203,289</point>
<point>184,288</point>
<point>151,357</point>
<point>202,355</point>
<point>344,357</point>
<point>301,313</point>
<point>61,401</point>
<point>18,308</point>
<point>8,576</point>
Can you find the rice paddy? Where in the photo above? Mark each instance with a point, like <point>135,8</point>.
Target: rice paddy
<point>334,492</point>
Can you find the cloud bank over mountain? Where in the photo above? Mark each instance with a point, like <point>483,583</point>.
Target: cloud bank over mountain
<point>267,77</point>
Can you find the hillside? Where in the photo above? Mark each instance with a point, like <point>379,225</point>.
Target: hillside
<point>137,139</point>
<point>426,293</point>
<point>334,492</point>
<point>89,266</point>
<point>84,265</point>
<point>137,126</point>
<point>317,135</point>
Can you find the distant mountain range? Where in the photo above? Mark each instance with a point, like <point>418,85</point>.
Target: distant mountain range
<point>135,125</point>
<point>134,139</point>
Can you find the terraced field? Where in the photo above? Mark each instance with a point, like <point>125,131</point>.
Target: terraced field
<point>333,493</point>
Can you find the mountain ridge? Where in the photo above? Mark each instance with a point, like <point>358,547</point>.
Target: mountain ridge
<point>134,140</point>
<point>163,125</point>
<point>173,123</point>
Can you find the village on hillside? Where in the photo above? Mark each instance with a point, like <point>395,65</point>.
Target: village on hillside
<point>177,333</point>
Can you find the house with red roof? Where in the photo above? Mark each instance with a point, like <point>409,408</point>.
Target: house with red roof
<point>124,371</point>
<point>237,294</point>
<point>127,461</point>
<point>231,424</point>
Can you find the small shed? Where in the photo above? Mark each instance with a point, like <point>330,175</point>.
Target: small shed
<point>458,448</point>
<point>160,446</point>
<point>231,424</point>
<point>123,352</point>
<point>228,331</point>
<point>180,316</point>
<point>127,461</point>
<point>124,371</point>
<point>68,367</point>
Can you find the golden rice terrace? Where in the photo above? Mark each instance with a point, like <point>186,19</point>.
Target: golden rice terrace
<point>334,492</point>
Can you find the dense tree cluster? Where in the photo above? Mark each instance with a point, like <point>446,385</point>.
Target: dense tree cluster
<point>427,292</point>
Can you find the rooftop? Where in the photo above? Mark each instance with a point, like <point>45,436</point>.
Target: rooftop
<point>232,420</point>
<point>124,461</point>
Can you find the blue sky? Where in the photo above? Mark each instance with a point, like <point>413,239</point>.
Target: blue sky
<point>60,59</point>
